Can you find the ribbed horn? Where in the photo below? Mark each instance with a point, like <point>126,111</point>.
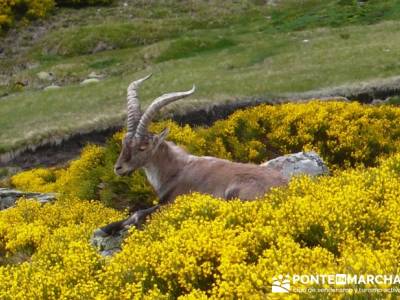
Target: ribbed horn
<point>155,107</point>
<point>134,111</point>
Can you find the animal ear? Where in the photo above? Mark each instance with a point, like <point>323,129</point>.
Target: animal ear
<point>161,137</point>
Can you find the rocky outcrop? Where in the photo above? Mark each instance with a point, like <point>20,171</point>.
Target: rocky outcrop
<point>8,197</point>
<point>309,163</point>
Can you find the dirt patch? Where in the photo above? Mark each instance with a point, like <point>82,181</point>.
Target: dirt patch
<point>56,155</point>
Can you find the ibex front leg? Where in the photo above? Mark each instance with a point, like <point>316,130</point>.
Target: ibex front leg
<point>136,219</point>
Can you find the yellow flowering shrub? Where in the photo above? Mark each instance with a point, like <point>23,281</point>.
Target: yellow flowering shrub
<point>81,177</point>
<point>39,180</point>
<point>344,134</point>
<point>204,248</point>
<point>30,9</point>
<point>33,9</point>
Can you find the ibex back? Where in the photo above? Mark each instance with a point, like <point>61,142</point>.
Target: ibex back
<point>172,171</point>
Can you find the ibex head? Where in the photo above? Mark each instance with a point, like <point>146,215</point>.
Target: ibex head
<point>139,145</point>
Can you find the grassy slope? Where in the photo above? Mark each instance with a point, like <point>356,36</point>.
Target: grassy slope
<point>229,52</point>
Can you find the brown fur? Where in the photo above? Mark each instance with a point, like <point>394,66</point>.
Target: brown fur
<point>174,172</point>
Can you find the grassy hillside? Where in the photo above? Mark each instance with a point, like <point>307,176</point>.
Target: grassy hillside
<point>229,49</point>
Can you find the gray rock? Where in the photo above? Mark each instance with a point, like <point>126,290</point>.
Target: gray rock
<point>377,102</point>
<point>48,76</point>
<point>8,197</point>
<point>101,46</point>
<point>95,75</point>
<point>107,245</point>
<point>89,81</point>
<point>108,239</point>
<point>309,163</point>
<point>51,87</point>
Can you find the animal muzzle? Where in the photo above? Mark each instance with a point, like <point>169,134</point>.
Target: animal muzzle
<point>121,171</point>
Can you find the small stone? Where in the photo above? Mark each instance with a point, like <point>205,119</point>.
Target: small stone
<point>101,46</point>
<point>48,76</point>
<point>107,244</point>
<point>95,75</point>
<point>89,81</point>
<point>51,87</point>
<point>30,66</point>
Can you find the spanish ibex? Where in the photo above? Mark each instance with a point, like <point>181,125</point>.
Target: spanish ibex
<point>172,171</point>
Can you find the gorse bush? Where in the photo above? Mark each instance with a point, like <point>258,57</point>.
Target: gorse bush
<point>30,9</point>
<point>345,135</point>
<point>201,247</point>
<point>10,10</point>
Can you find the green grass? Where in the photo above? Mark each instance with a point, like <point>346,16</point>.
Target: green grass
<point>250,66</point>
<point>229,49</point>
<point>394,100</point>
<point>299,15</point>
<point>103,63</point>
<point>83,40</point>
<point>190,46</point>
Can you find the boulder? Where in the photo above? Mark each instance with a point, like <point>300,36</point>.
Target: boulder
<point>308,163</point>
<point>8,197</point>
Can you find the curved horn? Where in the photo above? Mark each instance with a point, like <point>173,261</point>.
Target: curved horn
<point>134,111</point>
<point>156,106</point>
